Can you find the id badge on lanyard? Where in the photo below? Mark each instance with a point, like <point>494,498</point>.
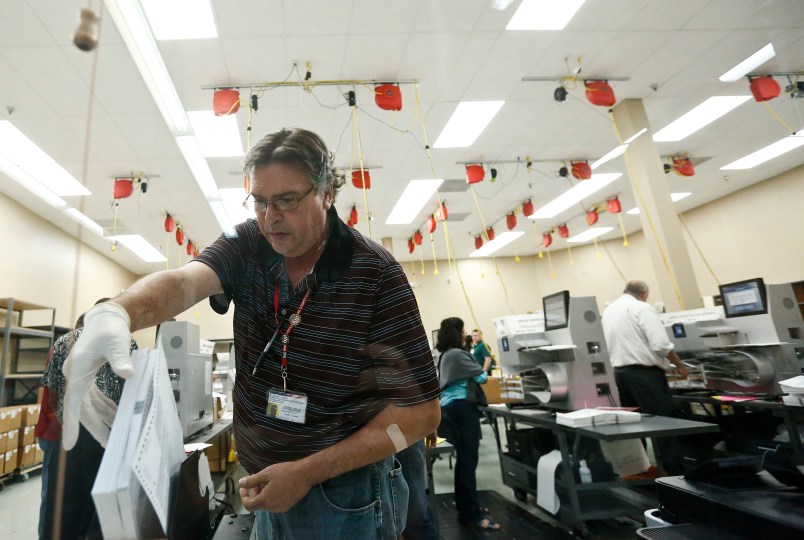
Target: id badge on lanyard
<point>284,405</point>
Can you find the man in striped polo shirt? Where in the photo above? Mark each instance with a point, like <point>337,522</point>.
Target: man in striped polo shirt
<point>335,373</point>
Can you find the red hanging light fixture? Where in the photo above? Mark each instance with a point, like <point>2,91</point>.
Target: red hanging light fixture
<point>490,233</point>
<point>475,174</point>
<point>613,206</point>
<point>179,235</point>
<point>527,208</point>
<point>190,247</point>
<point>417,238</point>
<point>169,223</point>
<point>431,224</point>
<point>600,93</point>
<point>683,166</point>
<point>478,241</point>
<point>123,187</point>
<point>441,213</point>
<point>547,240</point>
<point>764,88</point>
<point>591,217</point>
<point>581,170</point>
<point>226,101</point>
<point>510,221</point>
<point>563,230</point>
<point>411,246</point>
<point>361,177</point>
<point>388,97</point>
<point>353,215</point>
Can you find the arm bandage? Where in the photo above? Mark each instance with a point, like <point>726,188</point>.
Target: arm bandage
<point>397,437</point>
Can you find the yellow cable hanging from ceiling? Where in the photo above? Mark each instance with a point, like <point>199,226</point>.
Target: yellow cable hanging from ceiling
<point>493,257</point>
<point>421,258</point>
<point>418,113</point>
<point>435,262</point>
<point>778,118</point>
<point>550,263</point>
<point>446,227</point>
<point>697,248</point>
<point>360,158</point>
<point>642,204</point>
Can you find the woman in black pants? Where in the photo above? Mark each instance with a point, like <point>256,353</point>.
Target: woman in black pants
<point>460,419</point>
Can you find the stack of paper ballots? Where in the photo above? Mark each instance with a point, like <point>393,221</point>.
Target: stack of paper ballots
<point>794,388</point>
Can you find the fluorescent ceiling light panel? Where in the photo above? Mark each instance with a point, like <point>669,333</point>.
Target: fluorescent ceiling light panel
<point>85,221</point>
<point>191,151</point>
<point>673,196</point>
<point>615,153</point>
<point>575,194</point>
<point>24,154</point>
<point>749,64</point>
<point>635,136</point>
<point>232,199</point>
<point>791,142</point>
<point>140,247</point>
<point>702,115</point>
<point>415,196</point>
<point>218,136</point>
<point>180,19</point>
<point>28,182</point>
<point>499,242</point>
<point>543,14</point>
<point>467,123</point>
<point>136,33</point>
<point>222,216</point>
<point>589,234</point>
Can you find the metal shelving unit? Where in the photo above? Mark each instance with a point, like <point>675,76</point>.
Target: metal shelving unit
<point>24,349</point>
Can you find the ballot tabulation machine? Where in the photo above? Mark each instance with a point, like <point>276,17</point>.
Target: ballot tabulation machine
<point>190,373</point>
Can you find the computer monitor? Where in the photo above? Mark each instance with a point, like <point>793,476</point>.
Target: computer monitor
<point>743,298</point>
<point>556,310</point>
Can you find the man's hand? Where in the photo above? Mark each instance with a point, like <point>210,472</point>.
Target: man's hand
<point>681,369</point>
<point>106,337</point>
<point>276,488</point>
<point>431,440</point>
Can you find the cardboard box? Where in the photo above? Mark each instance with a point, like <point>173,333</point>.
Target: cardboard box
<point>10,418</point>
<point>27,454</point>
<point>30,415</point>
<point>12,440</point>
<point>40,454</point>
<point>27,435</point>
<point>11,461</point>
<point>3,443</point>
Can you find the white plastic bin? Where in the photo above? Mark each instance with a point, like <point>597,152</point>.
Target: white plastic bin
<point>654,519</point>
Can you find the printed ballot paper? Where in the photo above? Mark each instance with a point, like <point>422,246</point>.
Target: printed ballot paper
<point>142,460</point>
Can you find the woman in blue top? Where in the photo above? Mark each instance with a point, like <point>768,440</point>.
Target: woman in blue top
<point>461,419</point>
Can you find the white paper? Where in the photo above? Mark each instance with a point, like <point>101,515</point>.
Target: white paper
<point>204,476</point>
<point>546,495</point>
<point>626,457</point>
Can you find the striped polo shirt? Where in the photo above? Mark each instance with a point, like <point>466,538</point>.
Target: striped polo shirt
<point>360,345</point>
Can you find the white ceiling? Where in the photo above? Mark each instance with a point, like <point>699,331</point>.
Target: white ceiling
<point>456,50</point>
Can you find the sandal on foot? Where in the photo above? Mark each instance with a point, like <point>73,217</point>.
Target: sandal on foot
<point>487,524</point>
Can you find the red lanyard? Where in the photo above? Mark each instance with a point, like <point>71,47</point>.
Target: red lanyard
<point>293,321</point>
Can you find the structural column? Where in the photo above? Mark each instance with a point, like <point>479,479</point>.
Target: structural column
<point>676,282</point>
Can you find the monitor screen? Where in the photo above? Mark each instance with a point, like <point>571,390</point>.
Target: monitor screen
<point>744,298</point>
<point>556,310</point>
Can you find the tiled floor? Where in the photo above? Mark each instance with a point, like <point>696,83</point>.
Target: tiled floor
<point>19,502</point>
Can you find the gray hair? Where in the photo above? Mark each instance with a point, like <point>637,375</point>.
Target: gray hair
<point>636,287</point>
<point>300,147</point>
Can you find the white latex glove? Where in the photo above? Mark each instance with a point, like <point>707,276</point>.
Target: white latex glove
<point>106,337</point>
<point>97,414</point>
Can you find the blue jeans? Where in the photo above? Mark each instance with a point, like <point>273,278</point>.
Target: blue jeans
<point>49,466</point>
<point>463,418</point>
<point>421,522</point>
<point>367,503</point>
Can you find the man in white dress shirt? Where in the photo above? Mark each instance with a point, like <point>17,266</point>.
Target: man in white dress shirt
<point>640,351</point>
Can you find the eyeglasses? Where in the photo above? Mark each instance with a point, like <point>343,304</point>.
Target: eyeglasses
<point>286,203</point>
